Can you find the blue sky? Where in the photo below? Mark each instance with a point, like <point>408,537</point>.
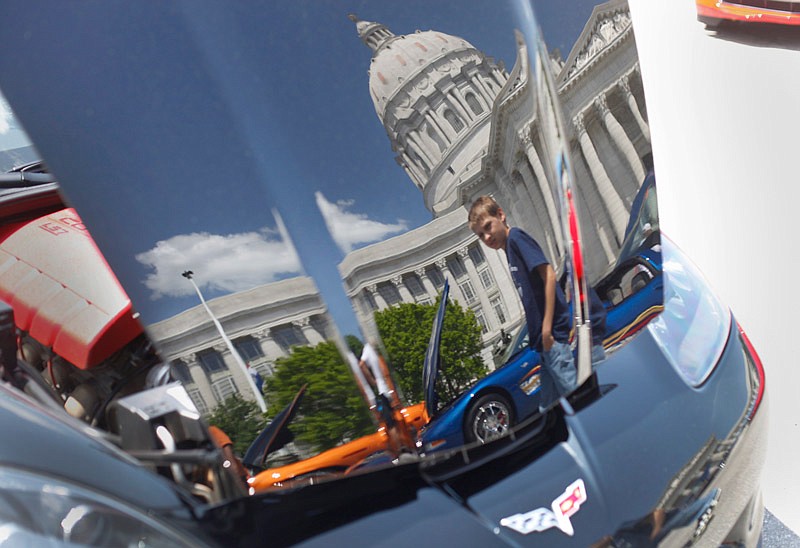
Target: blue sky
<point>233,115</point>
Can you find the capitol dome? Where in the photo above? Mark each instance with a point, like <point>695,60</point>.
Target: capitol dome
<point>433,92</point>
<point>398,58</point>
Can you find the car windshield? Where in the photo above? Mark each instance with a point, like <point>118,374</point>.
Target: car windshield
<point>276,196</point>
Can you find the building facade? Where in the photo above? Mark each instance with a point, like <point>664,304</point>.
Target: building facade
<point>462,126</point>
<point>263,323</point>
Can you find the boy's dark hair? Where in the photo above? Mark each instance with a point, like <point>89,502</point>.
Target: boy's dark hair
<point>483,205</point>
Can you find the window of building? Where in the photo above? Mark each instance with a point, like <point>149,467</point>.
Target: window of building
<point>454,121</point>
<point>288,336</point>
<point>248,348</point>
<point>436,276</point>
<point>414,285</point>
<point>473,103</point>
<point>223,389</point>
<point>468,291</point>
<point>476,254</point>
<point>456,266</point>
<point>198,401</point>
<point>481,320</point>
<point>211,361</point>
<point>499,309</point>
<point>487,280</point>
<point>389,293</point>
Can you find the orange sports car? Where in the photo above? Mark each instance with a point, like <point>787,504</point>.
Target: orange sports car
<point>712,12</point>
<point>337,459</point>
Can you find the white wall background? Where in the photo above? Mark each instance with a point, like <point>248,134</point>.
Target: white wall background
<point>724,111</point>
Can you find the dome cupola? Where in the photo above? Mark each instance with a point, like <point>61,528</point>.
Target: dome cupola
<point>432,92</point>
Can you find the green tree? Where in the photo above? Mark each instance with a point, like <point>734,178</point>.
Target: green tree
<point>240,419</point>
<point>354,344</point>
<point>405,330</point>
<point>332,408</point>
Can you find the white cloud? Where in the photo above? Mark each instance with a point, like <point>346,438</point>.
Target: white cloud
<point>350,229</point>
<point>229,263</point>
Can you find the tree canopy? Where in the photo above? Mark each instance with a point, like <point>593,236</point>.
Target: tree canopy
<point>240,419</point>
<point>332,409</point>
<point>405,330</point>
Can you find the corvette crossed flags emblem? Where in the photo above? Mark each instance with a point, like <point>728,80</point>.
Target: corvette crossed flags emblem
<point>557,515</point>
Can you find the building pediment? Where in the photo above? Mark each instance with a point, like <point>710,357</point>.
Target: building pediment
<point>608,26</point>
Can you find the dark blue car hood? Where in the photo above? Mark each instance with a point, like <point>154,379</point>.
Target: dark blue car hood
<point>31,433</point>
<point>591,450</point>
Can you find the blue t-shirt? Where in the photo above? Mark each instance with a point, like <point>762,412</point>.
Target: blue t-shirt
<point>524,255</point>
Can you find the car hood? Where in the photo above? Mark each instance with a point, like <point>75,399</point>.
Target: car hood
<point>574,476</point>
<point>81,453</point>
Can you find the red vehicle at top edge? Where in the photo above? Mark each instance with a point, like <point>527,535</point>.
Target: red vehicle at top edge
<point>713,12</point>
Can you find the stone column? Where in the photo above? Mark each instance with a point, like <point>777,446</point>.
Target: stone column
<point>239,380</point>
<point>483,89</point>
<point>539,209</point>
<point>430,289</point>
<point>611,198</point>
<point>510,201</point>
<point>405,294</point>
<point>500,77</point>
<point>434,121</point>
<point>421,149</point>
<point>472,273</point>
<point>312,335</point>
<point>200,380</point>
<point>620,138</point>
<point>434,146</point>
<point>378,298</point>
<point>625,86</point>
<point>272,350</point>
<point>483,95</point>
<point>541,178</point>
<point>455,291</point>
<point>412,169</point>
<point>465,106</point>
<point>456,105</point>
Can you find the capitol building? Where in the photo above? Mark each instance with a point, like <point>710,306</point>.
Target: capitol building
<point>460,125</point>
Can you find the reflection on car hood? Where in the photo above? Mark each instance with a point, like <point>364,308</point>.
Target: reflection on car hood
<point>571,478</point>
<point>274,436</point>
<point>430,369</point>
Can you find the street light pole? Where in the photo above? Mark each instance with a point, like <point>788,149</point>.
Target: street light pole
<point>188,274</point>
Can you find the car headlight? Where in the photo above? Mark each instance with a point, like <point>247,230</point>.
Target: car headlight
<point>693,328</point>
<point>37,510</point>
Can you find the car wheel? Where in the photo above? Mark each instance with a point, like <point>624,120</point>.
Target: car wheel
<point>489,418</point>
<point>711,23</point>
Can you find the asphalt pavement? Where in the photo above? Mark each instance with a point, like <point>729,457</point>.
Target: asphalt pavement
<point>776,535</point>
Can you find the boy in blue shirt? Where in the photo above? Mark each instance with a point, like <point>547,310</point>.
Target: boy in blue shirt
<point>546,310</point>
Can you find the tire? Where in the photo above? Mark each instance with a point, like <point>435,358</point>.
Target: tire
<point>711,23</point>
<point>489,418</point>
